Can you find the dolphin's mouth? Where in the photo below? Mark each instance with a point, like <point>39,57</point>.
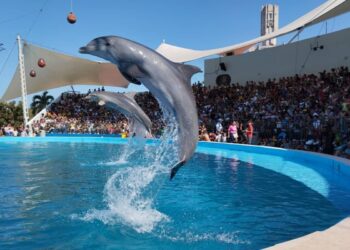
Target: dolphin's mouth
<point>84,50</point>
<point>88,49</point>
<point>91,98</point>
<point>88,98</point>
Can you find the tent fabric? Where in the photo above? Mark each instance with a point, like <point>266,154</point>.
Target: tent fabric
<point>329,9</point>
<point>61,70</point>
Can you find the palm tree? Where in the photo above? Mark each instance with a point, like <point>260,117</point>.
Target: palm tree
<point>40,102</point>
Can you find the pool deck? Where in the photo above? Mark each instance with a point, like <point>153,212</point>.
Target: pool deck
<point>335,237</point>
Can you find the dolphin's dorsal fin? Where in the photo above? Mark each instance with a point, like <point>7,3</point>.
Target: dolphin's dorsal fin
<point>131,95</point>
<point>188,71</point>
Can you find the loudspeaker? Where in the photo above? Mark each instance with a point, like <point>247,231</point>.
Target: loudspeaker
<point>222,66</point>
<point>223,80</point>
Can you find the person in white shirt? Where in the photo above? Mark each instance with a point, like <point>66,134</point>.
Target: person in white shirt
<point>219,127</point>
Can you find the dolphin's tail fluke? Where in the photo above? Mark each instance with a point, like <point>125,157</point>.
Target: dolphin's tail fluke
<point>176,168</point>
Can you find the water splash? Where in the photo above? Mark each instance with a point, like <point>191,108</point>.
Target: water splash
<point>190,237</point>
<point>129,193</point>
<point>124,195</point>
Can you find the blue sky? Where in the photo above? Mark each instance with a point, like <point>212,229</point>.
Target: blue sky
<point>194,24</point>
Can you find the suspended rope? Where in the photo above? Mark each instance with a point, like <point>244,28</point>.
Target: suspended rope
<point>71,18</point>
<point>36,18</point>
<point>333,24</point>
<point>27,34</point>
<point>314,47</point>
<point>44,46</point>
<point>41,63</point>
<point>7,58</point>
<point>15,18</point>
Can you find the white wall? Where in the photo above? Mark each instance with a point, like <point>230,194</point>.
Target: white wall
<point>284,60</point>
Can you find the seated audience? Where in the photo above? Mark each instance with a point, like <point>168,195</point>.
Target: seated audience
<point>308,112</point>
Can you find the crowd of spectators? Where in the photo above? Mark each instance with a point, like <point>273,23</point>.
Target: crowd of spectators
<point>10,130</point>
<point>11,118</point>
<point>74,114</point>
<point>301,112</point>
<point>309,112</point>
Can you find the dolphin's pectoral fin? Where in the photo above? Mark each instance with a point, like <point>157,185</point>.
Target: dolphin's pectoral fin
<point>132,73</point>
<point>188,70</point>
<point>130,78</point>
<point>176,168</point>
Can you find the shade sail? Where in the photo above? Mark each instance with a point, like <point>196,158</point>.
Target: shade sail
<point>329,9</point>
<point>61,70</point>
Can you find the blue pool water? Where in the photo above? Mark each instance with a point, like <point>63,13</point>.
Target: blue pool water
<point>67,194</point>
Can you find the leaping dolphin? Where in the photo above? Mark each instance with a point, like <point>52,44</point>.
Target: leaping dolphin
<point>169,82</point>
<point>138,120</point>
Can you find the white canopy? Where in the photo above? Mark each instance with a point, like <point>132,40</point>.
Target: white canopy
<point>61,70</point>
<point>329,9</point>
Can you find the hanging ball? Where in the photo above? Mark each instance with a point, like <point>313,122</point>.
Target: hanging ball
<point>71,18</point>
<point>41,63</point>
<point>32,73</point>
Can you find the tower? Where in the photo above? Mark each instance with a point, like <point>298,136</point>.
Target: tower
<point>269,23</point>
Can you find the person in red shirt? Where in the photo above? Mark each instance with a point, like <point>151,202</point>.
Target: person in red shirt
<point>249,132</point>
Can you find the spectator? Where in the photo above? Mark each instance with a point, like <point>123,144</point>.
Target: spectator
<point>233,132</point>
<point>250,131</point>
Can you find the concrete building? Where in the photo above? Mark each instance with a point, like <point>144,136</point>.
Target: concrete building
<point>309,56</point>
<point>269,23</point>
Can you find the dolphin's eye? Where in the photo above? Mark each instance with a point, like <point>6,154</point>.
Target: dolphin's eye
<point>108,44</point>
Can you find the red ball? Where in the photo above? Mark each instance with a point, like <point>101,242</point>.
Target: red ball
<point>71,18</point>
<point>41,63</point>
<point>32,73</point>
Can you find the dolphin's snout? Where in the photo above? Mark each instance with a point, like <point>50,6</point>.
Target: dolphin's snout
<point>94,98</point>
<point>83,50</point>
<point>90,47</point>
<point>88,97</point>
<point>91,98</point>
<point>94,45</point>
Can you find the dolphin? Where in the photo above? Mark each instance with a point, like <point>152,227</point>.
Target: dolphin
<point>137,117</point>
<point>169,82</point>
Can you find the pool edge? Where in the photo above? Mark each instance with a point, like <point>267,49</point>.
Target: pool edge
<point>335,237</point>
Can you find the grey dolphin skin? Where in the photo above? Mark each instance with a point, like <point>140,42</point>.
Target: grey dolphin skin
<point>124,105</point>
<point>169,82</point>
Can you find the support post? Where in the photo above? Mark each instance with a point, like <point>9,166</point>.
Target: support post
<point>23,85</point>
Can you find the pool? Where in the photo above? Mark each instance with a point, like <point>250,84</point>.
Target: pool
<point>98,193</point>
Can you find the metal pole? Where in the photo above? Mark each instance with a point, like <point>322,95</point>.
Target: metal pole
<point>23,85</point>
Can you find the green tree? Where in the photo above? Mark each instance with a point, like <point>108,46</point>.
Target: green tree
<point>40,102</point>
<point>11,113</point>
